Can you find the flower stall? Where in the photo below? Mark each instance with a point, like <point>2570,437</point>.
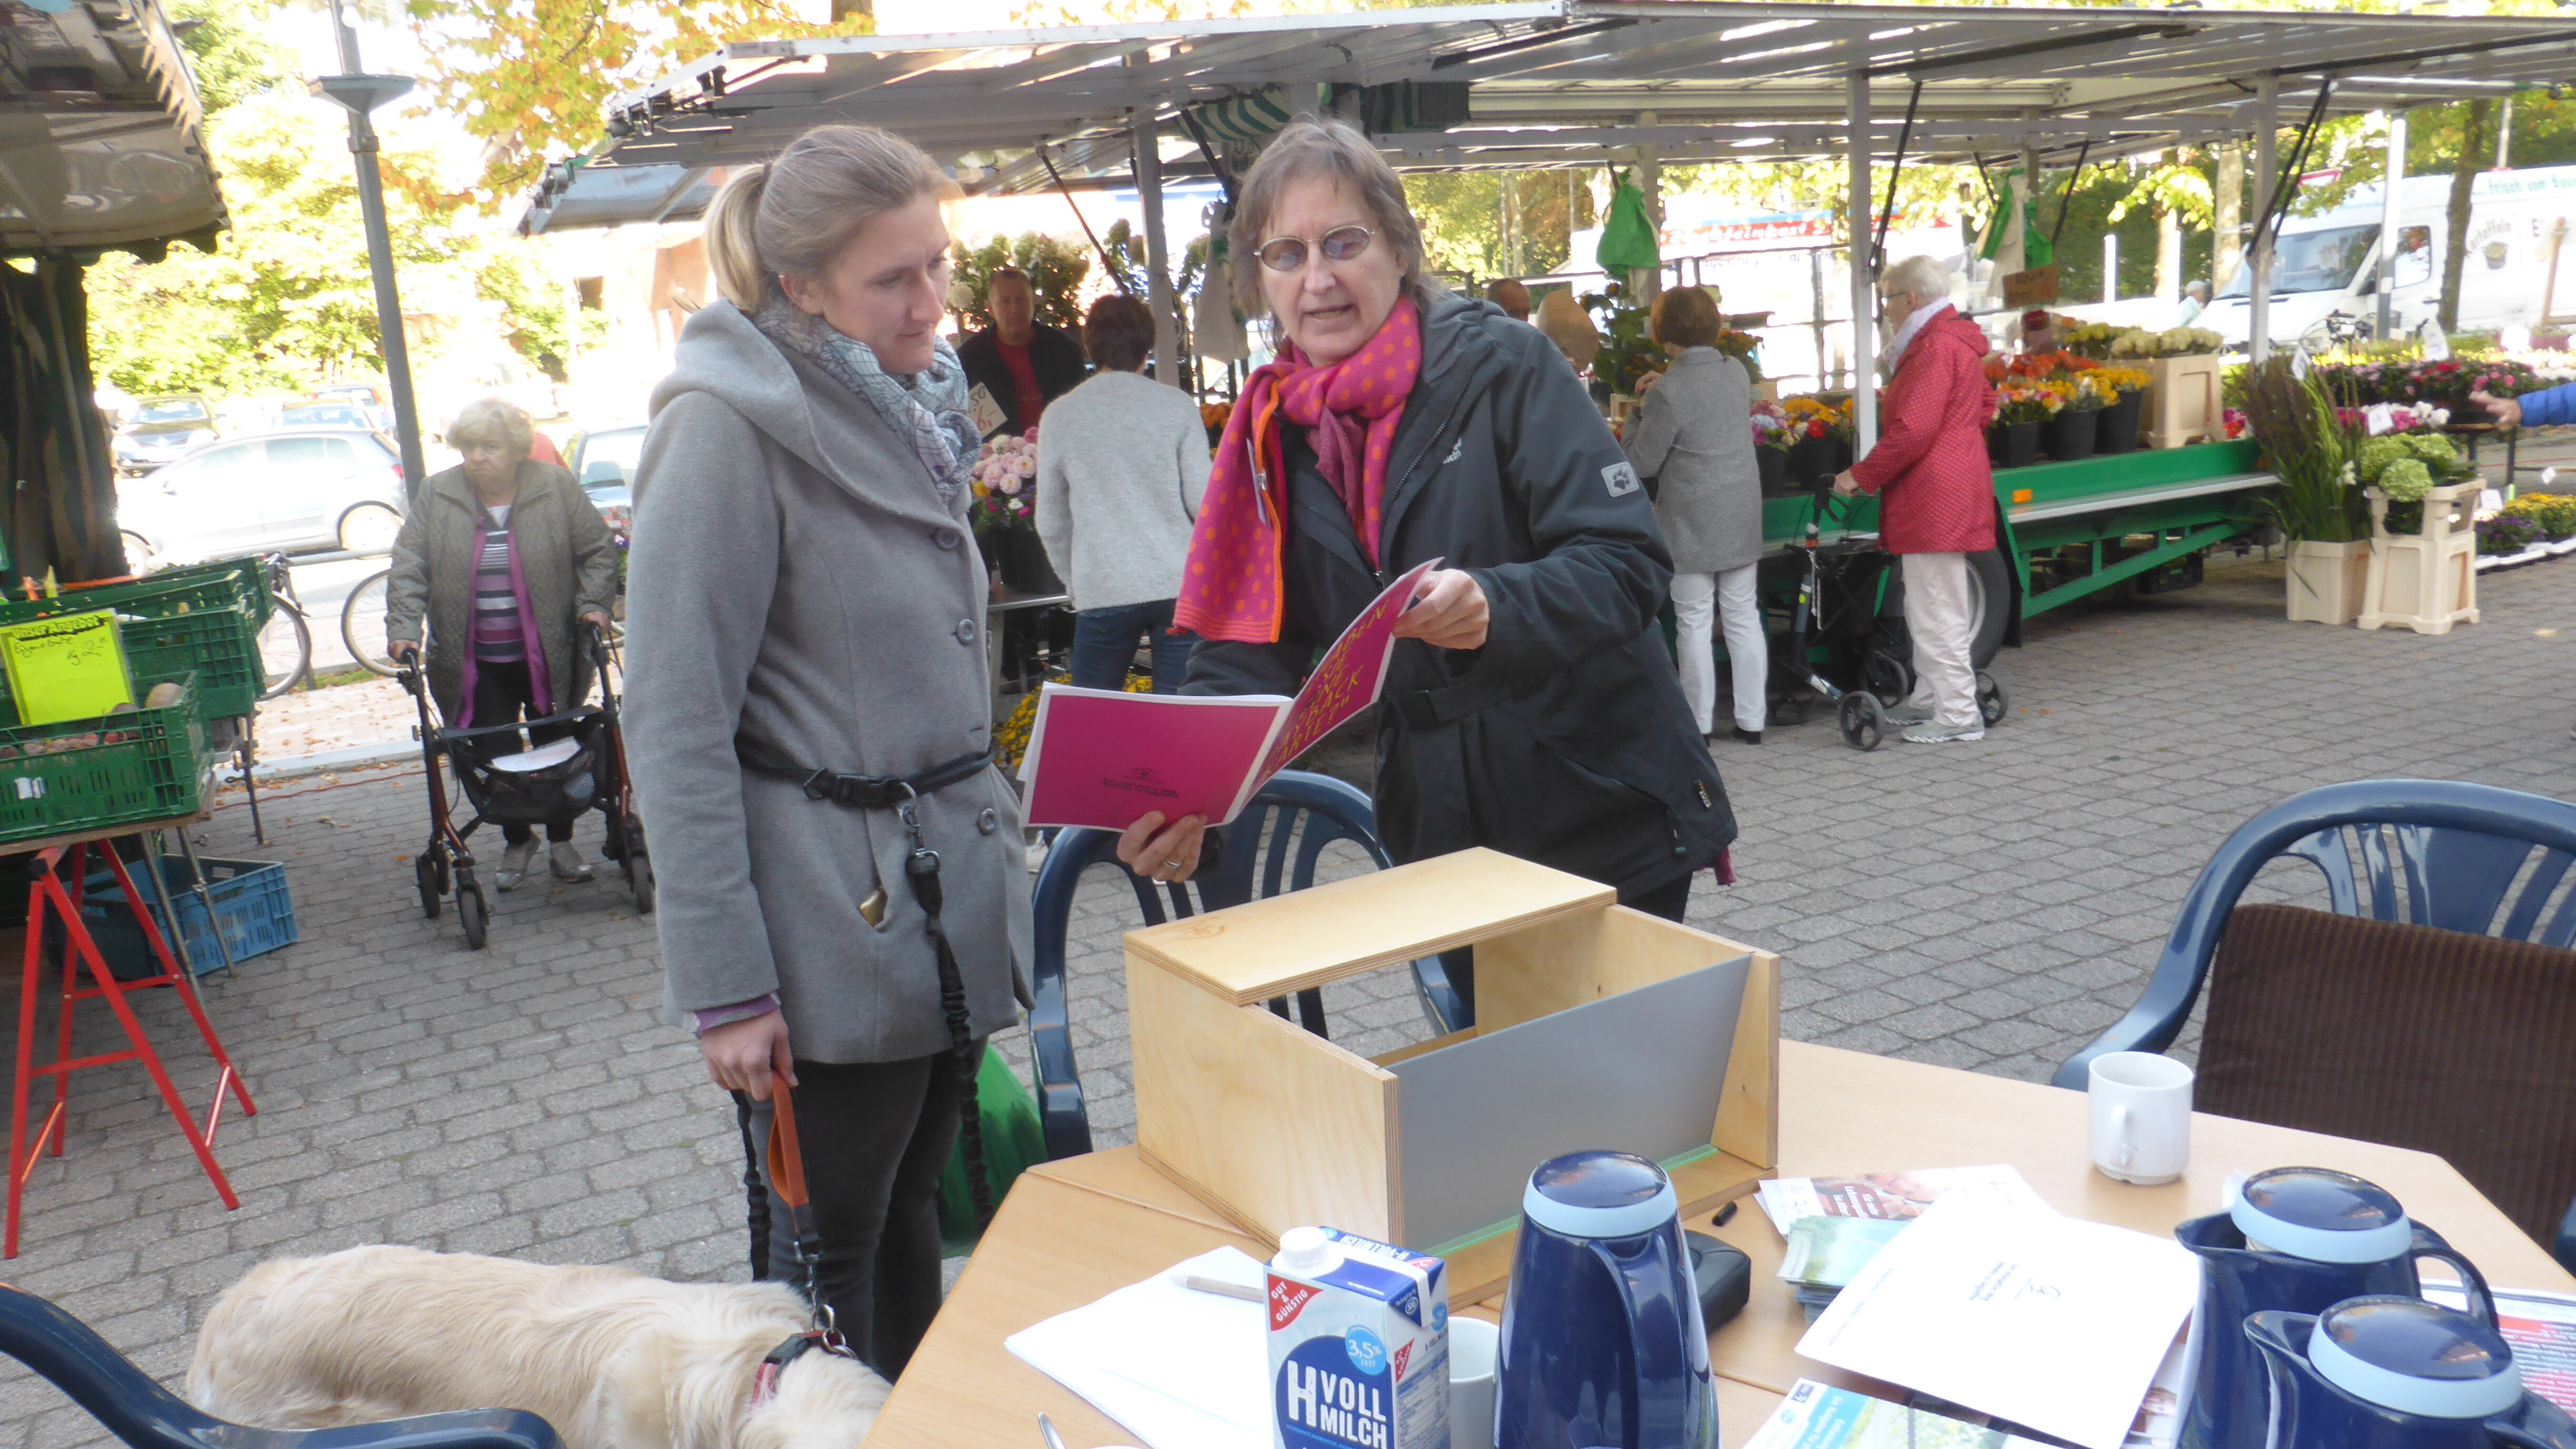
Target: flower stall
<point>1004,514</point>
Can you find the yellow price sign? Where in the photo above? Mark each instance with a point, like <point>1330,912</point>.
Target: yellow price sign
<point>68,667</point>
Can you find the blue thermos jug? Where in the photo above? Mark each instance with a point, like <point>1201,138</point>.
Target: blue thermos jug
<point>2300,1240</point>
<point>1602,1346</point>
<point>2398,1373</point>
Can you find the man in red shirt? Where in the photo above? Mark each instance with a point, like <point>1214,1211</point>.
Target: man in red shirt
<point>1021,361</point>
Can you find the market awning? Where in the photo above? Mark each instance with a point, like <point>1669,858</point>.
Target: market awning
<point>1552,84</point>
<point>101,141</point>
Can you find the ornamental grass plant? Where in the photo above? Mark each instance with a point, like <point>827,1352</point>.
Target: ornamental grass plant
<point>2313,452</point>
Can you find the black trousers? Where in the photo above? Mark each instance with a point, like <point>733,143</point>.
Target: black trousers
<point>875,1137</point>
<point>1668,902</point>
<point>502,693</point>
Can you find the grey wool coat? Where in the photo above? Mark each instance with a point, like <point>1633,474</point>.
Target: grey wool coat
<point>565,556</point>
<point>1694,436</point>
<point>797,586</point>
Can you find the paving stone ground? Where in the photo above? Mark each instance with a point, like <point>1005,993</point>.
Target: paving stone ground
<point>1986,906</point>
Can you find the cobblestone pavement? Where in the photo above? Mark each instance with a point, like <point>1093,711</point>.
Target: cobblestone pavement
<point>1986,906</point>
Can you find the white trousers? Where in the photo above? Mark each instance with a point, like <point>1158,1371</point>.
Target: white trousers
<point>1936,615</point>
<point>1746,644</point>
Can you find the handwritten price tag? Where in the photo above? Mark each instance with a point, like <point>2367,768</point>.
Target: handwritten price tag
<point>69,667</point>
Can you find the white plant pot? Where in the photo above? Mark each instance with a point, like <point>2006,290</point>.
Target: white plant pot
<point>2424,581</point>
<point>2326,580</point>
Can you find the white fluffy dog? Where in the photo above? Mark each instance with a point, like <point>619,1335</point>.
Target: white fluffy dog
<point>612,1359</point>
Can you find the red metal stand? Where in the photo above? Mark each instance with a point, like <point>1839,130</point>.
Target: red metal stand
<point>47,895</point>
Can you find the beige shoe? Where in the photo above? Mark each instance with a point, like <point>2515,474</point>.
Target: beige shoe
<point>565,858</point>
<point>514,864</point>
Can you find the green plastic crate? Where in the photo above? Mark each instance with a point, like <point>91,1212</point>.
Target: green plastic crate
<point>212,644</point>
<point>158,770</point>
<point>233,583</point>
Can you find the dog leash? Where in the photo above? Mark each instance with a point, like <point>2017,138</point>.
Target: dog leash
<point>787,1179</point>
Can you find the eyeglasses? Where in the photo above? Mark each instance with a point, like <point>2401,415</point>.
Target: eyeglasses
<point>1341,244</point>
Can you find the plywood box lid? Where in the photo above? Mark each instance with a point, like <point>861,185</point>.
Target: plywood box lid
<point>1251,953</point>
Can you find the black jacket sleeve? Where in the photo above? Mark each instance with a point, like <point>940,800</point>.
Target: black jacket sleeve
<point>983,363</point>
<point>1056,356</point>
<point>1601,568</point>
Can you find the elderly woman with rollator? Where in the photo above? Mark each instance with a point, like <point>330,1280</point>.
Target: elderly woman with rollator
<point>1529,705</point>
<point>501,561</point>
<point>809,717</point>
<point>1936,491</point>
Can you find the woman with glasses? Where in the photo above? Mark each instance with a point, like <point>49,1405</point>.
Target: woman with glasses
<point>1530,706</point>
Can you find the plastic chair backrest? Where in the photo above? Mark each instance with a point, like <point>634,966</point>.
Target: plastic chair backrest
<point>137,1410</point>
<point>2473,858</point>
<point>1270,849</point>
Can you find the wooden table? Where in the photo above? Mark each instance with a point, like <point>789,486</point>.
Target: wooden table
<point>1075,1230</point>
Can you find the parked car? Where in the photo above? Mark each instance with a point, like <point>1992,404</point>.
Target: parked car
<point>301,488</point>
<point>328,415</point>
<point>161,429</point>
<point>604,459</point>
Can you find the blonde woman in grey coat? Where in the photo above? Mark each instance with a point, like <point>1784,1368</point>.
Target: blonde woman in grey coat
<point>807,710</point>
<point>1693,434</point>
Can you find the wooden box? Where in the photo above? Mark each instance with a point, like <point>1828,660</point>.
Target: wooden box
<point>2183,404</point>
<point>1274,1127</point>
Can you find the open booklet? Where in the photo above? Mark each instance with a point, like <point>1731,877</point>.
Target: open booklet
<point>1104,758</point>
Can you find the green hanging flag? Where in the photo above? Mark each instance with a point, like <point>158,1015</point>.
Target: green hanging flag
<point>1627,233</point>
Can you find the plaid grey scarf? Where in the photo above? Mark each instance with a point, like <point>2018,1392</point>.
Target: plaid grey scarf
<point>927,409</point>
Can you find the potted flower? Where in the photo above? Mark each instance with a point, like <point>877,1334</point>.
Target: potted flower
<point>2022,407</point>
<point>2125,392</point>
<point>2078,423</point>
<point>1771,439</point>
<point>2318,505</point>
<point>1811,440</point>
<point>2423,533</point>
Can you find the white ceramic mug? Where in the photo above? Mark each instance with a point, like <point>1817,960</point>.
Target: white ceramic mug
<point>2141,1109</point>
<point>1474,1345</point>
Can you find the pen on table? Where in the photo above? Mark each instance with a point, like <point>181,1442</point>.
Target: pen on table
<point>1046,1431</point>
<point>1219,1287</point>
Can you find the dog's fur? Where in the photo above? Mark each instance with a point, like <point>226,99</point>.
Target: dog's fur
<point>612,1359</point>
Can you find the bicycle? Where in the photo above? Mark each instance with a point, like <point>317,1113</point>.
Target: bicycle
<point>287,638</point>
<point>362,625</point>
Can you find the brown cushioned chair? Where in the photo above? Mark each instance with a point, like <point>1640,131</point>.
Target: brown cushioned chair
<point>2433,1005</point>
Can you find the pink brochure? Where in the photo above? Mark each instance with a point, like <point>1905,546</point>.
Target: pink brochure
<point>1104,758</point>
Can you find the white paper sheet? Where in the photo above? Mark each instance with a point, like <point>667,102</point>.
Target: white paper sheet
<point>1180,1369</point>
<point>1888,1194</point>
<point>527,761</point>
<point>2047,1321</point>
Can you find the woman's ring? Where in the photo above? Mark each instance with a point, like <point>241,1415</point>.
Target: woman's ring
<point>1173,864</point>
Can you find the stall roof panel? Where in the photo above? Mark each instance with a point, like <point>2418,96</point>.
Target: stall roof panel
<point>101,140</point>
<point>1560,82</point>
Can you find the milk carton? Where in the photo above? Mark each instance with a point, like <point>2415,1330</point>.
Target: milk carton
<point>1359,1344</point>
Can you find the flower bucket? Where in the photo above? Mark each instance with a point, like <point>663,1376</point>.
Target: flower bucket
<point>2071,434</point>
<point>2326,580</point>
<point>1811,461</point>
<point>2120,424</point>
<point>1771,465</point>
<point>2013,445</point>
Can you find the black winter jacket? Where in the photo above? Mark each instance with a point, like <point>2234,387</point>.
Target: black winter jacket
<point>1564,739</point>
<point>1055,358</point>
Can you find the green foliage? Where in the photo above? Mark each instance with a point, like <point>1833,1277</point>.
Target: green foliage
<point>286,302</point>
<point>1056,268</point>
<point>2406,480</point>
<point>2434,451</point>
<point>2315,455</point>
<point>1462,217</point>
<point>2378,455</point>
<point>1626,354</point>
<point>1127,254</point>
<point>229,51</point>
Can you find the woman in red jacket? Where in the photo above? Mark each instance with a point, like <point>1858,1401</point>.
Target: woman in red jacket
<point>1937,494</point>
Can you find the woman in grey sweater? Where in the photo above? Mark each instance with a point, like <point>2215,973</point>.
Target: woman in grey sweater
<point>807,711</point>
<point>1693,434</point>
<point>1121,464</point>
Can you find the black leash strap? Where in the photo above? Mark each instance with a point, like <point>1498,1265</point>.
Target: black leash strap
<point>921,871</point>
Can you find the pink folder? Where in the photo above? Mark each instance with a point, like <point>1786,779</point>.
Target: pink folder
<point>1104,758</point>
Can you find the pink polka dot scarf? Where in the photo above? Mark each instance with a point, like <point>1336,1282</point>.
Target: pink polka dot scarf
<point>1233,586</point>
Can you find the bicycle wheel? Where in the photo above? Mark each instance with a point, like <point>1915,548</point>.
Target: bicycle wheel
<point>285,650</point>
<point>362,624</point>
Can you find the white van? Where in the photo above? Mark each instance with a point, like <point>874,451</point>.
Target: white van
<point>2329,263</point>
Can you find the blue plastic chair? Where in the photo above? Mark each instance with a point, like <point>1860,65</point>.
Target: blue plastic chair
<point>139,1411</point>
<point>1270,849</point>
<point>2460,848</point>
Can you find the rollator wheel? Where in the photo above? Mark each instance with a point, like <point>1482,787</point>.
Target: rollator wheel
<point>1890,678</point>
<point>471,913</point>
<point>1991,701</point>
<point>1864,726</point>
<point>640,875</point>
<point>425,871</point>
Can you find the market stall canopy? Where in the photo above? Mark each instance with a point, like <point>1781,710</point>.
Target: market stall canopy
<point>1538,85</point>
<point>102,144</point>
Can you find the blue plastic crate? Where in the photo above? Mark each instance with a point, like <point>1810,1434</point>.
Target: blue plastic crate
<point>250,900</point>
